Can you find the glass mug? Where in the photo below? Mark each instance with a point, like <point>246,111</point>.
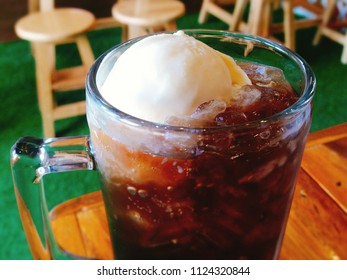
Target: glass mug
<point>177,192</point>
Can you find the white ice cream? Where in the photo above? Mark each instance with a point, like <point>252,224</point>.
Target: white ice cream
<point>170,75</point>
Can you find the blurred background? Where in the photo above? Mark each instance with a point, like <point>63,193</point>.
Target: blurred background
<point>20,114</point>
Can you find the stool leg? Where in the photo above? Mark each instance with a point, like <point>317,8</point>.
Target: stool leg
<point>46,5</point>
<point>255,16</point>
<point>238,12</point>
<point>33,6</point>
<point>85,51</point>
<point>255,21</point>
<point>326,18</point>
<point>344,51</point>
<point>43,62</point>
<point>170,26</point>
<point>266,19</point>
<point>136,31</point>
<point>289,27</point>
<point>203,11</point>
<point>125,32</point>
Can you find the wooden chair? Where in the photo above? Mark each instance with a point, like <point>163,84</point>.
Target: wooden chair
<point>140,17</point>
<point>331,29</point>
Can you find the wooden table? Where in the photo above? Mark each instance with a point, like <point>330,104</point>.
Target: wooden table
<point>317,223</point>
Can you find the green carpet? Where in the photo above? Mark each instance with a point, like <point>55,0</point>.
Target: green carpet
<point>20,115</point>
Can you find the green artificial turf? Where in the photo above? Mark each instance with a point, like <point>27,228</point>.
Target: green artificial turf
<point>20,115</point>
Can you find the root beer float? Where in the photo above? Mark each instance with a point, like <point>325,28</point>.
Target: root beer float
<point>198,152</point>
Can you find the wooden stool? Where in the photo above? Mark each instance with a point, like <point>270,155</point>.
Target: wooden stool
<point>141,17</point>
<point>45,30</point>
<point>332,33</point>
<point>260,17</point>
<point>291,24</point>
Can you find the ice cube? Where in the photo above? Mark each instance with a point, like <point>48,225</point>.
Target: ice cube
<point>205,113</point>
<point>260,172</point>
<point>245,96</point>
<point>209,110</point>
<point>262,74</point>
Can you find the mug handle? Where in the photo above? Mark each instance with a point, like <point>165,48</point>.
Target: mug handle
<point>31,159</point>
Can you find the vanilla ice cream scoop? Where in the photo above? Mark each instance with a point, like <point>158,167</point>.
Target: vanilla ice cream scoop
<point>169,75</point>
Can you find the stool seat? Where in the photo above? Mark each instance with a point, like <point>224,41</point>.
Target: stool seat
<point>55,25</point>
<point>153,14</point>
<point>142,16</point>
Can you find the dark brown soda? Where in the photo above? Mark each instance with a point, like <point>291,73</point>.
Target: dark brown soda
<point>229,201</point>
